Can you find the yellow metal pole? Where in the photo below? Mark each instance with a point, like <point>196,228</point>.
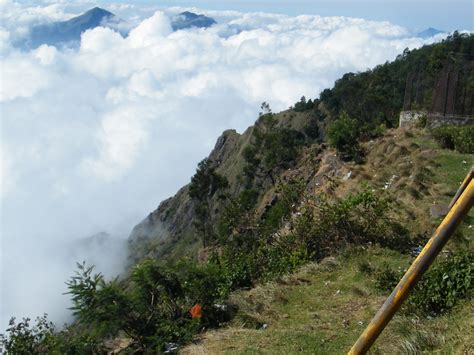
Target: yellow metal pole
<point>463,186</point>
<point>442,234</point>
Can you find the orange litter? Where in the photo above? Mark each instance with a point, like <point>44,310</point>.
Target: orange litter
<point>196,311</point>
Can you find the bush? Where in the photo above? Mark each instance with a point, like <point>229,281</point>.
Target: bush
<point>25,338</point>
<point>454,137</point>
<point>289,195</point>
<point>273,147</point>
<point>206,181</point>
<point>204,184</point>
<point>149,308</point>
<point>445,284</point>
<point>343,134</point>
<point>362,218</point>
<point>386,279</point>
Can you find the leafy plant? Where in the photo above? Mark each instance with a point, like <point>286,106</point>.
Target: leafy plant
<point>386,279</point>
<point>25,338</point>
<point>454,137</point>
<point>343,134</point>
<point>273,148</point>
<point>445,284</point>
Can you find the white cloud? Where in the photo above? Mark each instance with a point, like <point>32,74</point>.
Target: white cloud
<point>98,136</point>
<point>7,180</point>
<point>23,76</point>
<point>121,136</point>
<point>150,31</point>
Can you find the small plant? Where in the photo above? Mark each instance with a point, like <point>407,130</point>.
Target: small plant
<point>386,279</point>
<point>422,121</point>
<point>445,284</point>
<point>365,267</point>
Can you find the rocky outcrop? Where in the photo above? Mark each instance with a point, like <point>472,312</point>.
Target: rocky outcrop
<point>173,222</point>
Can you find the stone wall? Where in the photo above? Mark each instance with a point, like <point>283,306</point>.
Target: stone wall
<point>411,118</point>
<point>433,120</point>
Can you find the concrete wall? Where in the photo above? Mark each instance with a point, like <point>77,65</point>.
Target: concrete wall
<point>433,120</point>
<point>411,118</point>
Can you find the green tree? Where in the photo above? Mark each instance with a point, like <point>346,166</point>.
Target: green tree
<point>204,184</point>
<point>24,338</point>
<point>343,134</point>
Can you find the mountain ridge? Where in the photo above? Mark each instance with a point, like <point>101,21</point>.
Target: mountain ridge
<point>68,32</point>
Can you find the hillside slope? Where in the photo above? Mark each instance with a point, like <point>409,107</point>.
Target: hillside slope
<point>323,307</point>
<point>324,177</point>
<point>372,102</point>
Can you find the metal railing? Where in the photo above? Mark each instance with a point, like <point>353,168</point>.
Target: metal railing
<point>458,209</point>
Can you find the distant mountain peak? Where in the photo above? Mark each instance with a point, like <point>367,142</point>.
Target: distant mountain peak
<point>69,31</point>
<point>92,18</point>
<point>190,14</point>
<point>99,10</point>
<point>189,19</point>
<point>429,32</point>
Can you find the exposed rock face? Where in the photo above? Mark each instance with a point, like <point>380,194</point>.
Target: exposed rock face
<point>173,221</point>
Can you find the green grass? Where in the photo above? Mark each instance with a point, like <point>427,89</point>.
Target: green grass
<point>323,309</point>
<point>452,167</point>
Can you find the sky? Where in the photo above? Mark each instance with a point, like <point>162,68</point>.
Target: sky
<point>95,136</point>
<point>447,15</point>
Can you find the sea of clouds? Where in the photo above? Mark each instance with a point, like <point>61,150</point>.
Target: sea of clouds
<point>93,138</point>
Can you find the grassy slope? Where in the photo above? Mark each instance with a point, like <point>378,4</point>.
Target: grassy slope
<point>324,308</point>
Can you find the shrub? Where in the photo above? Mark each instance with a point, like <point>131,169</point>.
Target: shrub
<point>204,184</point>
<point>357,219</point>
<point>445,284</point>
<point>343,134</point>
<point>365,267</point>
<point>149,308</point>
<point>454,137</point>
<point>206,181</point>
<point>24,338</point>
<point>273,147</point>
<point>289,195</point>
<point>312,130</point>
<point>386,279</point>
